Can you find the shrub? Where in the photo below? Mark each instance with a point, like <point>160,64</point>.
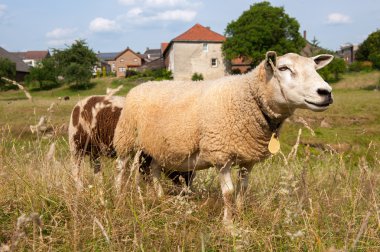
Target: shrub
<point>332,72</point>
<point>130,73</point>
<point>359,66</point>
<point>197,77</point>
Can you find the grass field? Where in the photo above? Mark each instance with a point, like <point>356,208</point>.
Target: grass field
<point>324,198</point>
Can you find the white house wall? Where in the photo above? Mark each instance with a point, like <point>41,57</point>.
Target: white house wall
<point>189,58</point>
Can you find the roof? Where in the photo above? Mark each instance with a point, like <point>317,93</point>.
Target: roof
<point>128,49</point>
<point>241,61</point>
<point>107,56</point>
<point>35,55</point>
<point>164,45</point>
<point>153,51</point>
<point>20,65</point>
<point>153,65</point>
<point>200,33</point>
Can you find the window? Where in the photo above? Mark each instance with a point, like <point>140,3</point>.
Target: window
<point>121,60</point>
<point>214,62</point>
<point>135,59</point>
<point>122,69</point>
<point>205,47</point>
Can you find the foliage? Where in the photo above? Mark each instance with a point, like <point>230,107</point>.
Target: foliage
<point>260,29</point>
<point>45,73</point>
<point>197,77</point>
<point>156,74</point>
<point>358,66</point>
<point>333,71</point>
<point>130,73</point>
<point>75,63</point>
<point>8,70</point>
<point>370,49</point>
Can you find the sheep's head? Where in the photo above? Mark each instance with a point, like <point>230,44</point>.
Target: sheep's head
<point>296,83</point>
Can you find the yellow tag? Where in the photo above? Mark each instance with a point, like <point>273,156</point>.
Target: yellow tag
<point>274,144</point>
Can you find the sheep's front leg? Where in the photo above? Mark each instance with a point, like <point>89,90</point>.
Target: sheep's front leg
<point>156,174</point>
<point>228,192</point>
<point>242,186</point>
<point>76,160</point>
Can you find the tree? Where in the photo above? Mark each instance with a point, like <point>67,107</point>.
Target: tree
<point>260,29</point>
<point>76,63</point>
<point>7,70</point>
<point>370,49</point>
<point>45,73</point>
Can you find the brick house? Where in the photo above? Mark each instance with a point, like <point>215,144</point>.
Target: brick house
<point>127,59</point>
<point>198,50</point>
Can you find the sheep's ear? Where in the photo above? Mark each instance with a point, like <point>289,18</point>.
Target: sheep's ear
<point>322,60</point>
<point>270,59</point>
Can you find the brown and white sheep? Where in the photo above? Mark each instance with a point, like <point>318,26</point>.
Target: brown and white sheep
<point>91,132</point>
<point>187,126</point>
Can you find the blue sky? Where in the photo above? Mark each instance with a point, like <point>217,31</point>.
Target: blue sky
<point>111,26</point>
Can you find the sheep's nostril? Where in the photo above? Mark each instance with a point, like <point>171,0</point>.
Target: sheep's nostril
<point>324,92</point>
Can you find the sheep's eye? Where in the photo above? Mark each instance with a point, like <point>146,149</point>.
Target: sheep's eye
<point>283,68</point>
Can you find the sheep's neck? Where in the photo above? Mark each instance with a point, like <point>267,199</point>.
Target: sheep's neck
<point>273,116</point>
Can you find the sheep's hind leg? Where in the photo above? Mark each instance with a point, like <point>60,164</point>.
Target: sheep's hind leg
<point>228,193</point>
<point>242,186</point>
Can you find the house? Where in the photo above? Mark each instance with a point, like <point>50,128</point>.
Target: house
<point>198,50</point>
<point>241,65</point>
<point>127,59</point>
<point>108,59</point>
<point>348,51</point>
<point>22,69</point>
<point>32,58</point>
<point>152,54</point>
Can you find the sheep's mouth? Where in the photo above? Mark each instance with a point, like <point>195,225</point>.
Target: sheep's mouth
<point>319,105</point>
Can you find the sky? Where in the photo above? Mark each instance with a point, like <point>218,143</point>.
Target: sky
<point>113,25</point>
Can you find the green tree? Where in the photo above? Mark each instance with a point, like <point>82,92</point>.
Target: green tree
<point>76,63</point>
<point>260,29</point>
<point>45,73</point>
<point>7,70</point>
<point>370,49</point>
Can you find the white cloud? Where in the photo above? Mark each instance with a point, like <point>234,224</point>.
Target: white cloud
<point>61,33</point>
<point>3,8</point>
<point>176,15</point>
<point>100,24</point>
<point>338,18</point>
<point>127,2</point>
<point>61,36</point>
<point>166,2</point>
<point>60,42</point>
<point>135,12</point>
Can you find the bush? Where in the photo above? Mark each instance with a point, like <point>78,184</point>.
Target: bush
<point>332,72</point>
<point>130,73</point>
<point>197,77</point>
<point>359,66</point>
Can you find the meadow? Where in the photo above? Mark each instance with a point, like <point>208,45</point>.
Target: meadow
<point>320,193</point>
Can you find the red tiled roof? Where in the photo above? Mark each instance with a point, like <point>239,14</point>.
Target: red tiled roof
<point>36,55</point>
<point>164,45</point>
<point>200,33</point>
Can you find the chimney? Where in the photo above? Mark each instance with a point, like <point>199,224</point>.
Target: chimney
<point>208,27</point>
<point>304,34</point>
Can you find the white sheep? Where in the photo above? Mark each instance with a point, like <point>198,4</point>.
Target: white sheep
<point>187,126</point>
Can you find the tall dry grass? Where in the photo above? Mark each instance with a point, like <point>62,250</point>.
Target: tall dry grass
<point>316,201</point>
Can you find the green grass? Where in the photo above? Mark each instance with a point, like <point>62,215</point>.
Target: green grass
<point>319,200</point>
